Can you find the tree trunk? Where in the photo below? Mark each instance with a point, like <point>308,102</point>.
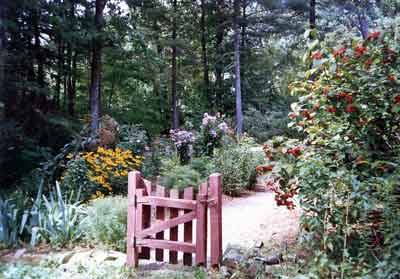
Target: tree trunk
<point>204,53</point>
<point>243,44</point>
<point>239,113</point>
<point>59,75</point>
<point>72,84</point>
<point>313,17</point>
<point>363,23</point>
<point>175,119</point>
<point>219,67</point>
<point>71,80</point>
<point>96,68</point>
<point>3,55</point>
<point>38,51</point>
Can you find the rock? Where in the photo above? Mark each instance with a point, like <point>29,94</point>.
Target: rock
<point>273,259</point>
<point>64,258</point>
<point>258,244</point>
<point>232,257</point>
<point>253,253</point>
<point>19,253</point>
<point>225,272</point>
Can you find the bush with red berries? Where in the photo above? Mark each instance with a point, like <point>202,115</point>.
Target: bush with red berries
<point>345,174</point>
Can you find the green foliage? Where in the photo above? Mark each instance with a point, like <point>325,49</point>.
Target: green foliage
<point>134,138</point>
<point>76,180</point>
<point>203,165</point>
<point>346,170</point>
<point>265,125</point>
<point>58,219</point>
<point>237,163</point>
<point>51,270</point>
<point>106,222</point>
<point>175,175</point>
<point>13,219</point>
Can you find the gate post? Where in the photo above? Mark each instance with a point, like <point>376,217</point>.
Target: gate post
<point>131,249</point>
<point>201,225</point>
<point>216,218</point>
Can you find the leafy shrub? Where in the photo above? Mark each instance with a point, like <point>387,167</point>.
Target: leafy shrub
<point>204,165</point>
<point>237,163</point>
<point>76,180</point>
<point>265,125</point>
<point>106,222</point>
<point>151,163</point>
<point>134,138</point>
<point>347,169</point>
<point>175,175</point>
<point>58,219</point>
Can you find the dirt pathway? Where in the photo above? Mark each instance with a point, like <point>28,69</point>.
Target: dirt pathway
<point>257,217</point>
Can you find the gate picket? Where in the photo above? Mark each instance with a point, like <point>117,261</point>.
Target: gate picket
<point>160,215</point>
<point>173,232</point>
<point>188,227</point>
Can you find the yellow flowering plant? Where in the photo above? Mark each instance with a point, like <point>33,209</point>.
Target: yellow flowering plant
<point>109,168</point>
<point>101,172</point>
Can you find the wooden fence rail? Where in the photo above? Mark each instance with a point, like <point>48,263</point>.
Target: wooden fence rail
<point>152,210</point>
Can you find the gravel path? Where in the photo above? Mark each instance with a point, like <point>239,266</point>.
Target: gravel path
<point>257,217</point>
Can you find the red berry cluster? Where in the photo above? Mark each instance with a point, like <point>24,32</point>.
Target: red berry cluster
<point>267,151</point>
<point>295,151</point>
<point>285,199</point>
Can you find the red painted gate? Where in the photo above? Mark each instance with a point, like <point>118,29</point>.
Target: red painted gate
<point>149,207</point>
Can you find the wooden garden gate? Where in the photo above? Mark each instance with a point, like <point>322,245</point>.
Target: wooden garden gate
<point>148,205</point>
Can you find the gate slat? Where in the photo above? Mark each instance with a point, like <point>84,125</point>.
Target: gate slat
<point>132,253</point>
<point>173,246</point>
<point>167,224</point>
<point>201,226</point>
<point>188,227</point>
<point>167,202</point>
<point>216,219</point>
<point>173,232</point>
<point>160,215</point>
<point>142,221</point>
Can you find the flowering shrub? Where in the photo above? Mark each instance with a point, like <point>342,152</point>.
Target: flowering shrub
<point>102,172</point>
<point>346,172</point>
<point>182,140</point>
<point>213,128</point>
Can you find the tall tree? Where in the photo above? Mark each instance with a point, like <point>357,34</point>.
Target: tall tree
<point>238,93</point>
<point>174,99</point>
<point>96,67</point>
<point>219,64</point>
<point>3,53</point>
<point>203,27</point>
<point>313,17</point>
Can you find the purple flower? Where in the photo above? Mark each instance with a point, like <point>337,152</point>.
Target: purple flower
<point>181,137</point>
<point>213,133</point>
<point>223,127</point>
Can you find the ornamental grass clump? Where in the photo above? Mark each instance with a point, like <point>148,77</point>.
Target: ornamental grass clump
<point>346,172</point>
